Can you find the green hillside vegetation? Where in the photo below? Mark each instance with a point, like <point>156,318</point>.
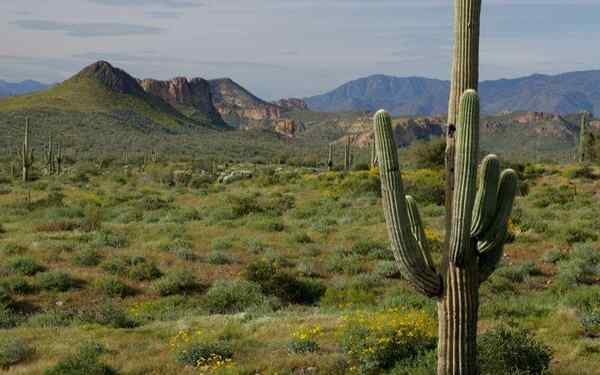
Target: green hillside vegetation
<point>139,271</point>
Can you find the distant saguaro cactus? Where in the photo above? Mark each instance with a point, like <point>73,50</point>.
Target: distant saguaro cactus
<point>49,155</point>
<point>59,159</point>
<point>27,156</point>
<point>583,152</point>
<point>330,156</point>
<point>347,155</point>
<point>477,235</point>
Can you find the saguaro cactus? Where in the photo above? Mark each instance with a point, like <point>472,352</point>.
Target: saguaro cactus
<point>330,156</point>
<point>477,235</point>
<point>59,159</point>
<point>465,75</point>
<point>26,153</point>
<point>373,153</point>
<point>347,155</point>
<point>583,138</point>
<point>50,156</point>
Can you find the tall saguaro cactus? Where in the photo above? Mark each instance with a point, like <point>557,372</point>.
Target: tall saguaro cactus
<point>26,153</point>
<point>465,75</point>
<point>330,156</point>
<point>477,234</point>
<point>583,138</point>
<point>347,155</point>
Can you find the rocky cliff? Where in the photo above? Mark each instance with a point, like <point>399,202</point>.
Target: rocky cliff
<point>190,96</point>
<point>292,104</point>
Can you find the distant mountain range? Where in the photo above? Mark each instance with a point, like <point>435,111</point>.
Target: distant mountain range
<point>561,94</point>
<point>19,88</point>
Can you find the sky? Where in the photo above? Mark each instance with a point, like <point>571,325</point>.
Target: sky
<point>290,48</point>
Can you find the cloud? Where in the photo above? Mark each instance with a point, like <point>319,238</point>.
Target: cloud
<point>86,30</point>
<point>165,3</point>
<point>163,14</point>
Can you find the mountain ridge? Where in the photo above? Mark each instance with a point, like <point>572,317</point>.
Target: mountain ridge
<point>561,93</point>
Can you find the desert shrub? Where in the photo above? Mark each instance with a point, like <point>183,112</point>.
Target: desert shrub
<point>87,258</point>
<point>427,186</point>
<point>388,269</point>
<point>575,233</point>
<point>356,183</point>
<point>143,271</point>
<point>176,282</point>
<point>56,226</point>
<point>583,298</point>
<point>552,256</point>
<point>16,285</point>
<point>583,171</point>
<point>113,287</point>
<point>510,351</point>
<point>341,262</point>
<point>376,341</point>
<point>407,299</point>
<point>268,224</point>
<point>13,350</point>
<point>218,258</point>
<point>308,269</point>
<point>518,273</point>
<point>177,245</point>
<point>301,238</point>
<point>289,289</point>
<point>221,244</point>
<point>304,340</point>
<point>106,238</point>
<point>198,352</point>
<point>345,296</point>
<point>92,219</point>
<point>85,362</point>
<point>574,272</point>
<point>115,265</point>
<point>152,203</point>
<point>233,296</point>
<point>422,364</point>
<point>549,195</point>
<point>50,319</point>
<point>23,265</point>
<point>108,314</point>
<point>428,154</point>
<point>11,248</point>
<point>56,280</point>
<point>366,247</point>
<point>242,205</point>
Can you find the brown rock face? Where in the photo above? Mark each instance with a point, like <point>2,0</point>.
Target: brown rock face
<point>288,127</point>
<point>530,117</point>
<point>292,103</point>
<point>179,91</point>
<point>232,100</point>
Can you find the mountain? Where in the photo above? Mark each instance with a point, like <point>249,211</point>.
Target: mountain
<point>193,97</point>
<point>20,88</point>
<point>562,94</point>
<point>242,109</point>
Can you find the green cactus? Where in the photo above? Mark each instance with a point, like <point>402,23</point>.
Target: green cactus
<point>373,153</point>
<point>330,156</point>
<point>27,156</point>
<point>476,239</point>
<point>465,75</point>
<point>347,155</point>
<point>59,159</point>
<point>583,138</point>
<point>49,155</point>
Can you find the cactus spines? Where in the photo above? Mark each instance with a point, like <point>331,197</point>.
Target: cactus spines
<point>465,75</point>
<point>26,153</point>
<point>478,233</point>
<point>373,153</point>
<point>330,156</point>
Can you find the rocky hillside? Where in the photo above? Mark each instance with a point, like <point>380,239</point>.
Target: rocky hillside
<point>191,97</point>
<point>562,94</point>
<point>242,109</point>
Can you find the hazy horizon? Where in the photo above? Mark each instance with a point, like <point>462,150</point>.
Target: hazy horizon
<point>289,48</point>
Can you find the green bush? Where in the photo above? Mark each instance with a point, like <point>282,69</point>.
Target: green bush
<point>16,285</point>
<point>108,314</point>
<point>144,271</point>
<point>233,296</point>
<point>377,341</point>
<point>84,362</point>
<point>510,351</point>
<point>428,154</point>
<point>195,352</point>
<point>113,287</point>
<point>87,258</point>
<point>177,282</point>
<point>23,265</point>
<point>283,285</point>
<point>56,280</point>
<point>218,258</point>
<point>13,350</point>
<point>50,319</point>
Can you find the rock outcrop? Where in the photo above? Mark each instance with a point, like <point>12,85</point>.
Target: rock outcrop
<point>292,104</point>
<point>194,94</point>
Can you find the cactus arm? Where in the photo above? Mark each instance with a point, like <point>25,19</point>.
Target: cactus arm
<point>406,251</point>
<point>496,234</point>
<point>487,195</point>
<point>488,261</point>
<point>418,231</point>
<point>467,142</point>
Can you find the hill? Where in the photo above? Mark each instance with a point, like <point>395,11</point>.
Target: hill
<point>20,88</point>
<point>562,94</point>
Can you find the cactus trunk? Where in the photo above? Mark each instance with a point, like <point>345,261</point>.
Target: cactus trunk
<point>465,75</point>
<point>330,157</point>
<point>583,139</point>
